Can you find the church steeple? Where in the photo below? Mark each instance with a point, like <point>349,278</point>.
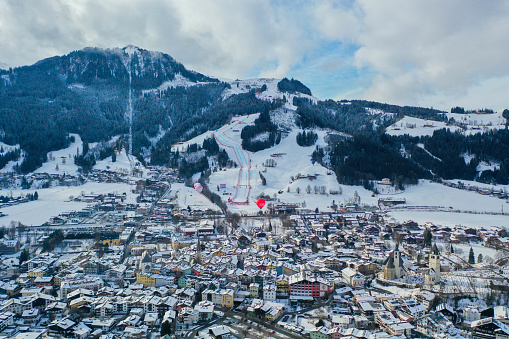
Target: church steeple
<point>434,249</point>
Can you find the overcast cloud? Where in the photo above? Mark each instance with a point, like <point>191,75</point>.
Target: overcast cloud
<point>426,53</point>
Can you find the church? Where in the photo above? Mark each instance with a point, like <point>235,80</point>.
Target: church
<point>433,274</point>
<point>392,267</point>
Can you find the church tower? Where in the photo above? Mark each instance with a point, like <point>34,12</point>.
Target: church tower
<point>433,276</point>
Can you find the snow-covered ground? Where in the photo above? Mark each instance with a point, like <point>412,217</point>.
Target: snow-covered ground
<point>178,81</point>
<point>451,218</point>
<point>55,200</point>
<point>9,167</point>
<point>121,165</point>
<point>474,123</point>
<point>416,127</point>
<point>428,193</point>
<point>182,146</point>
<point>189,197</point>
<point>291,160</point>
<point>477,123</point>
<point>62,161</point>
<point>271,93</point>
<point>437,195</point>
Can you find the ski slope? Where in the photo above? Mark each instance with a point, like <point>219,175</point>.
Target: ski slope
<point>228,137</point>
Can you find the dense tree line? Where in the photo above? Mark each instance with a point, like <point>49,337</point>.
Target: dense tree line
<point>354,117</point>
<point>263,134</point>
<point>306,138</point>
<point>292,86</point>
<point>52,241</point>
<point>361,158</point>
<point>5,157</point>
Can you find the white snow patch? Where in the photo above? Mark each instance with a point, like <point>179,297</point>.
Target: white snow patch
<point>189,197</point>
<point>479,123</point>
<point>178,81</point>
<point>4,148</point>
<point>182,146</point>
<point>62,161</point>
<point>468,158</point>
<point>261,137</point>
<point>416,127</point>
<point>76,86</point>
<point>428,152</point>
<point>271,93</point>
<point>55,200</point>
<point>121,165</point>
<point>484,166</point>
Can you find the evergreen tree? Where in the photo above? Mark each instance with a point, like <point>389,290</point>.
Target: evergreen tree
<point>427,237</point>
<point>36,195</point>
<point>25,255</point>
<point>479,257</point>
<point>165,328</point>
<point>471,257</point>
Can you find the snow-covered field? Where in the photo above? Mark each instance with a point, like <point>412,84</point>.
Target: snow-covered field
<point>271,93</point>
<point>55,200</point>
<point>477,123</point>
<point>189,197</point>
<point>452,219</point>
<point>121,165</point>
<point>62,161</point>
<point>474,123</point>
<point>416,127</point>
<point>433,194</point>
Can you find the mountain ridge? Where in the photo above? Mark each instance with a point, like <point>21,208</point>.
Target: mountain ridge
<point>86,92</point>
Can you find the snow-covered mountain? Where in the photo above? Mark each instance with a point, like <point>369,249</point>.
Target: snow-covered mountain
<point>4,66</point>
<point>87,93</point>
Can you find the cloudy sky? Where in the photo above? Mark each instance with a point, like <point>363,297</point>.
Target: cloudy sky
<point>422,53</point>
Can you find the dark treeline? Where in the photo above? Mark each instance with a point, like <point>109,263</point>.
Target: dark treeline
<point>353,117</point>
<point>306,138</point>
<point>292,86</point>
<point>264,129</point>
<point>459,155</point>
<point>362,158</point>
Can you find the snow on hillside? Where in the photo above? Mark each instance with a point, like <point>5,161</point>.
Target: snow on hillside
<point>189,197</point>
<point>182,146</point>
<point>4,148</point>
<point>471,124</point>
<point>416,127</point>
<point>476,123</point>
<point>430,196</point>
<point>62,161</point>
<point>121,165</point>
<point>291,160</point>
<point>9,167</point>
<point>178,81</point>
<point>271,93</point>
<point>428,152</point>
<point>55,200</point>
<point>4,66</point>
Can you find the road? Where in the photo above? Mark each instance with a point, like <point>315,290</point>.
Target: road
<point>240,156</point>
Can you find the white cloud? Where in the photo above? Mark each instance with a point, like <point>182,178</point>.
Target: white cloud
<point>406,52</point>
<point>421,50</point>
<point>227,38</point>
